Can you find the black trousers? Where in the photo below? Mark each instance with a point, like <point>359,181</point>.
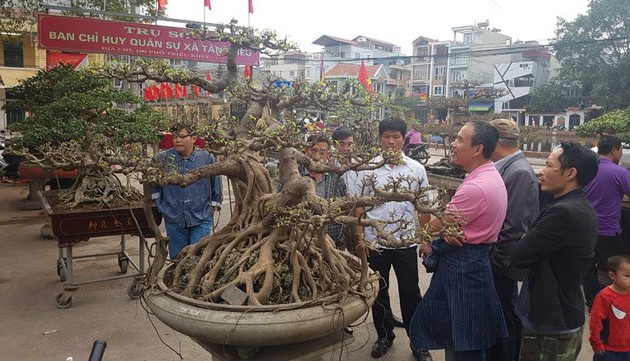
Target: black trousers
<point>604,248</point>
<point>405,263</point>
<point>507,349</point>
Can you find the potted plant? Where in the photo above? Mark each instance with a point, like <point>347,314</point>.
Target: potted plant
<point>76,122</point>
<point>273,253</point>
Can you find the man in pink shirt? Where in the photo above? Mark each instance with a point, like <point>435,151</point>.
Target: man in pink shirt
<point>460,311</point>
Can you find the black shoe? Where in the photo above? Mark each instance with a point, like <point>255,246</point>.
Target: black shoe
<point>422,355</point>
<point>381,346</point>
<point>397,322</point>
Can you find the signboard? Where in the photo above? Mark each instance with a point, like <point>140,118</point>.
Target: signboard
<point>124,38</point>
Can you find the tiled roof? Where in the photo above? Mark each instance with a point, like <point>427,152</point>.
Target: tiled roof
<point>327,40</point>
<point>372,40</point>
<point>351,70</point>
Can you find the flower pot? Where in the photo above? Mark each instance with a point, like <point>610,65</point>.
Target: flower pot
<point>34,171</point>
<point>71,227</point>
<point>252,326</point>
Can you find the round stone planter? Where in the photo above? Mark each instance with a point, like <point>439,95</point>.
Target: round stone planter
<point>248,326</point>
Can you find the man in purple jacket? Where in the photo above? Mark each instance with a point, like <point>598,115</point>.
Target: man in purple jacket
<point>605,193</point>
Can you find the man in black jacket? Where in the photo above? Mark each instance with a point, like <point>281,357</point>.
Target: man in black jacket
<point>557,250</point>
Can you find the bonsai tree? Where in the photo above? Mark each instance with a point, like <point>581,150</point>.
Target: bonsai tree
<point>76,121</point>
<point>616,122</point>
<point>274,248</point>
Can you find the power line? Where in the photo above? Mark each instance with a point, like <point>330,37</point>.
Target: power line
<point>504,50</point>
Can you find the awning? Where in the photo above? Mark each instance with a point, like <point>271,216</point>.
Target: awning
<point>480,106</point>
<point>10,77</point>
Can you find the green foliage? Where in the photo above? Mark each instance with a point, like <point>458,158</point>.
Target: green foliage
<point>593,50</point>
<point>21,15</point>
<point>552,97</point>
<point>66,105</point>
<point>616,122</point>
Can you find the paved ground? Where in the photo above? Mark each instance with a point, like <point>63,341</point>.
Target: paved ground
<point>32,328</point>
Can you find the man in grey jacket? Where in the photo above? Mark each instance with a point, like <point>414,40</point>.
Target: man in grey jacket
<point>521,184</point>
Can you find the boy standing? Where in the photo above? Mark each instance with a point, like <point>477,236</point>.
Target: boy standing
<point>610,322</point>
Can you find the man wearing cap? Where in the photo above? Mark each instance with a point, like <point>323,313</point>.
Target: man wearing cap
<point>522,209</point>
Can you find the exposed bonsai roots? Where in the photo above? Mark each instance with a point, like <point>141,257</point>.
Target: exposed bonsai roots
<point>272,262</point>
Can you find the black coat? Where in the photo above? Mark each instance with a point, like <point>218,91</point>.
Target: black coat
<point>557,250</point>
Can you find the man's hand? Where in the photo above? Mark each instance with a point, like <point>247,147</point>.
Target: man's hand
<point>600,352</point>
<point>454,240</point>
<point>424,249</point>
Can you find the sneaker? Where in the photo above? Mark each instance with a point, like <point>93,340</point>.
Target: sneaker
<point>381,346</point>
<point>422,355</point>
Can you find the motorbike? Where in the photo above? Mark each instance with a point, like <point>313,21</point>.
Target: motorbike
<point>3,164</point>
<point>417,152</point>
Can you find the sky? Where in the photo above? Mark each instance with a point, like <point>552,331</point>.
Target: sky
<point>395,21</point>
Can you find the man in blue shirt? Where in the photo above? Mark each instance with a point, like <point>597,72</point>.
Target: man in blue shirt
<point>187,211</point>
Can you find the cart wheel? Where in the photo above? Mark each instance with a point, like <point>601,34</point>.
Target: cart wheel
<point>61,272</point>
<point>123,263</point>
<point>59,301</point>
<point>135,290</point>
<point>45,231</point>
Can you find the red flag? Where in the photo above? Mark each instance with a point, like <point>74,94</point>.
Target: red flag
<point>155,92</point>
<point>148,94</point>
<point>207,3</point>
<point>251,6</point>
<point>196,90</point>
<point>162,4</point>
<point>185,91</point>
<point>178,90</point>
<point>248,71</point>
<point>364,78</point>
<point>53,59</point>
<point>166,91</point>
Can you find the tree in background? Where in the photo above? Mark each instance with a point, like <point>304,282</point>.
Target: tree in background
<point>594,53</point>
<point>21,15</point>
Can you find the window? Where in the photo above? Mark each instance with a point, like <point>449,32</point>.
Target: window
<point>13,54</point>
<point>421,72</point>
<point>117,83</point>
<point>438,90</point>
<point>440,72</point>
<point>422,53</point>
<point>460,59</point>
<point>457,76</point>
<point>292,73</point>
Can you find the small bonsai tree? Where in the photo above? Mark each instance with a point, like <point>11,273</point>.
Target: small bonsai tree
<point>616,122</point>
<point>76,121</point>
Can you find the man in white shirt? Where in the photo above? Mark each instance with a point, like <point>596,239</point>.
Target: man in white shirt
<point>404,260</point>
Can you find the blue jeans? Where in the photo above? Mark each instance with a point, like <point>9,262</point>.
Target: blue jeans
<point>181,237</point>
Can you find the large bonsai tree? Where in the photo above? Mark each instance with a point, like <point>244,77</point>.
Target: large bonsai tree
<point>274,248</point>
<point>76,121</point>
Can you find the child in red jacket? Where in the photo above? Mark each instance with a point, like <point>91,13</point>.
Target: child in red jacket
<point>610,314</point>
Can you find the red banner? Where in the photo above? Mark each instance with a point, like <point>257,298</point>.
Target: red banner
<point>116,37</point>
<point>53,59</point>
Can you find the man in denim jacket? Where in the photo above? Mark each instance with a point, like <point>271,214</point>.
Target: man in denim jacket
<point>187,211</point>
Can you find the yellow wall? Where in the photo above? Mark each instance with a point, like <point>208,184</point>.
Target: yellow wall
<point>34,57</point>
